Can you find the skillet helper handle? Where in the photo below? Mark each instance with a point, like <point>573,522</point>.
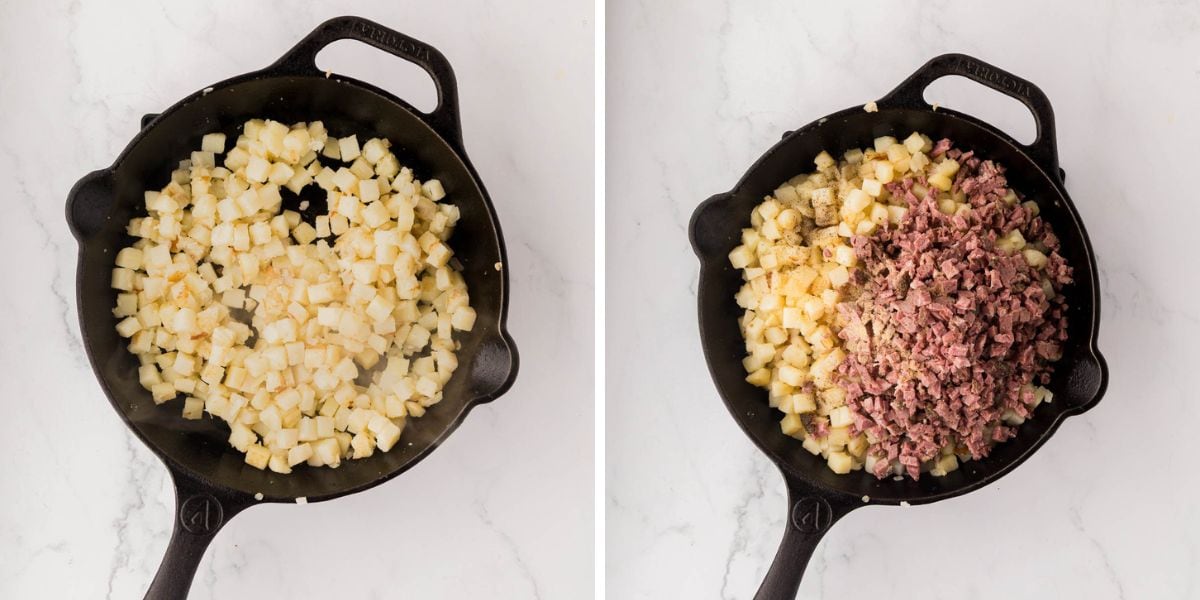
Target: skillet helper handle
<point>910,94</point>
<point>810,514</point>
<point>89,204</point>
<point>200,512</point>
<point>301,60</point>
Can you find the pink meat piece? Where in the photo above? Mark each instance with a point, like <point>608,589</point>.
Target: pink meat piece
<point>968,326</point>
<point>940,147</point>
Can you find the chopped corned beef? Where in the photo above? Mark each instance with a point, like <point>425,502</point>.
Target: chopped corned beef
<point>948,332</point>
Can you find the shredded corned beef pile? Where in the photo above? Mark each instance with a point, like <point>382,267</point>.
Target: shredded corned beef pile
<point>948,332</point>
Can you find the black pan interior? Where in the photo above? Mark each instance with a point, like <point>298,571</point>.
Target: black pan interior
<point>487,360</point>
<point>716,229</point>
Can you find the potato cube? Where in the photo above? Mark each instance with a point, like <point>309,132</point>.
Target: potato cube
<point>840,417</point>
<point>433,190</point>
<point>839,276</point>
<point>320,294</point>
<point>363,445</point>
<point>883,143</point>
<point>162,393</point>
<point>308,430</point>
<point>348,148</point>
<point>387,436</point>
<point>380,308</point>
<point>741,257</point>
<point>823,160</point>
<point>803,403</point>
<point>439,255</point>
<point>375,214</point>
<point>840,462</point>
<point>257,456</point>
<point>257,169</point>
<point>280,173</point>
<point>463,319</point>
<point>122,279</point>
<point>791,425</point>
<point>1034,257</point>
<point>241,437</point>
<point>193,408</point>
<point>328,452</point>
<point>129,326</point>
<point>856,200</point>
<point>278,464</point>
<point>944,465</point>
<point>213,142</point>
<point>374,150</point>
<point>299,454</point>
<point>791,375</point>
<point>941,182</point>
<point>345,180</point>
<point>884,172</point>
<point>325,427</point>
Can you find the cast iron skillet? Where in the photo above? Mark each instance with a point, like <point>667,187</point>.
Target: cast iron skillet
<point>816,496</point>
<point>211,480</point>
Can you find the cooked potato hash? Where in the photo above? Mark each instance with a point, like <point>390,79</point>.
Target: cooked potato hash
<point>314,341</point>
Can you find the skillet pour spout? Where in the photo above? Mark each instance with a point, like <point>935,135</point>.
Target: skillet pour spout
<point>818,498</point>
<point>211,479</point>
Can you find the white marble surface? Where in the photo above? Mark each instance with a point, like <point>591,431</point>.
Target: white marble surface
<point>696,91</point>
<point>502,510</point>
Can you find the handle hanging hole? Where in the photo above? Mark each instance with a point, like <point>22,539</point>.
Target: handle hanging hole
<point>396,75</point>
<point>986,104</point>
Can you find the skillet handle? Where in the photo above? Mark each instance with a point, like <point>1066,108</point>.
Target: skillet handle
<point>910,94</point>
<point>301,60</point>
<point>89,203</point>
<point>200,512</point>
<point>811,513</point>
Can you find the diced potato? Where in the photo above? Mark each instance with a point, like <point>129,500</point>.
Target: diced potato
<point>129,326</point>
<point>374,150</point>
<point>840,417</point>
<point>299,453</point>
<point>839,276</point>
<point>741,257</point>
<point>914,143</point>
<point>856,201</point>
<point>823,161</point>
<point>122,279</point>
<point>884,172</point>
<point>803,403</point>
<point>348,148</point>
<point>1034,257</point>
<point>791,425</point>
<point>257,456</point>
<point>872,187</point>
<point>838,437</point>
<point>193,408</point>
<point>213,142</point>
<point>840,462</point>
<point>941,182</point>
<point>1012,242</point>
<point>433,190</point>
<point>323,311</point>
<point>463,319</point>
<point>257,169</point>
<point>944,465</point>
